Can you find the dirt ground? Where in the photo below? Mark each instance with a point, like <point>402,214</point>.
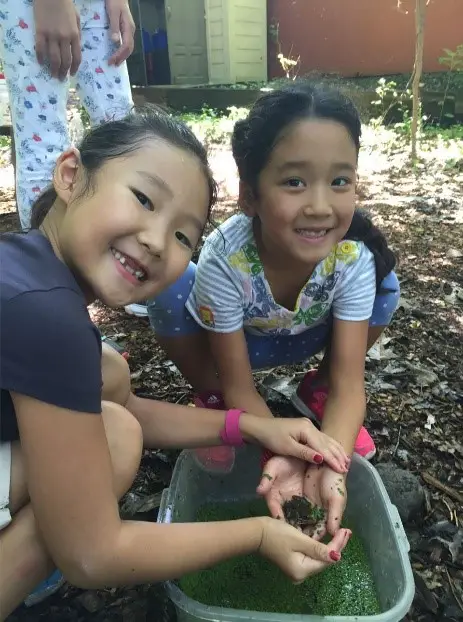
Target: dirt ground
<point>414,377</point>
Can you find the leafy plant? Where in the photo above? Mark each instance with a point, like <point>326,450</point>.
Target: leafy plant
<point>454,61</point>
<point>213,126</point>
<point>389,97</point>
<point>289,64</point>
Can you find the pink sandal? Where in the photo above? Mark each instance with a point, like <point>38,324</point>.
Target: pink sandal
<point>220,459</point>
<point>310,401</point>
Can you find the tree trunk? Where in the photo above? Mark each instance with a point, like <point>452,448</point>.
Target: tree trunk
<point>420,12</point>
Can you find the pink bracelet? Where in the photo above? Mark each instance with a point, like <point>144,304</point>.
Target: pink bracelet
<point>231,433</point>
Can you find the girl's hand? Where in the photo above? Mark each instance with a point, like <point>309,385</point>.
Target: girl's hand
<point>122,29</point>
<point>298,438</point>
<point>297,555</point>
<point>57,36</point>
<point>283,478</point>
<point>327,489</point>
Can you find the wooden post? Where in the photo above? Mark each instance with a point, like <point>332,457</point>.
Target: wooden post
<point>420,12</point>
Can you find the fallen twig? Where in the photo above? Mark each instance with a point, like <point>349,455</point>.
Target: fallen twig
<point>454,592</point>
<point>448,490</point>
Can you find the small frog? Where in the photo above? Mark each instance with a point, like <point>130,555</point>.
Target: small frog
<point>302,514</point>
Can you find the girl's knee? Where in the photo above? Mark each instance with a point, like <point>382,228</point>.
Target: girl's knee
<point>125,441</point>
<point>386,301</point>
<point>167,313</point>
<point>175,296</point>
<point>116,376</point>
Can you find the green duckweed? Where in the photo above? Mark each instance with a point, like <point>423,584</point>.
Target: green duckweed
<point>254,584</point>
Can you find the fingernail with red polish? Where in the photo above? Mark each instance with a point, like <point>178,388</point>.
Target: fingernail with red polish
<point>335,556</point>
<point>318,458</point>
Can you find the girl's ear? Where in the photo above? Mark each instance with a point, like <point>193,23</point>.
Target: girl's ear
<point>246,199</point>
<point>65,175</point>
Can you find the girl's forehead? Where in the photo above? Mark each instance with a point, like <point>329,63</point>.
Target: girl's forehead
<point>308,139</point>
<point>159,158</point>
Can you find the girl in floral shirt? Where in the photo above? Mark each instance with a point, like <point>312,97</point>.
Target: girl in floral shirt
<point>298,272</point>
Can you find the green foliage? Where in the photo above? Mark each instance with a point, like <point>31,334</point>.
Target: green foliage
<point>5,141</point>
<point>213,126</point>
<point>453,59</point>
<point>84,118</point>
<point>391,97</point>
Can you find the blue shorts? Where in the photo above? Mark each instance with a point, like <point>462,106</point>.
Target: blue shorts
<point>169,317</point>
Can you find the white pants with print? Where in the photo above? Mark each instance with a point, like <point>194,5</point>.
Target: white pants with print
<point>38,101</point>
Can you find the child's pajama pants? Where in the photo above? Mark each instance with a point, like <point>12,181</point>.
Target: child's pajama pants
<point>38,101</point>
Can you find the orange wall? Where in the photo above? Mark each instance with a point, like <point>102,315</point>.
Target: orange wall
<point>366,37</point>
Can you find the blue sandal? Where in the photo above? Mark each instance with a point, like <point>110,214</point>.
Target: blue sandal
<point>45,589</point>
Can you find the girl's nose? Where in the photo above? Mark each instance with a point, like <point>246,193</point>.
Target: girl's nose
<point>154,239</point>
<point>318,204</point>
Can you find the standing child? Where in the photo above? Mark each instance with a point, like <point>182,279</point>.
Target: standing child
<point>43,42</point>
<point>297,272</point>
<point>119,224</point>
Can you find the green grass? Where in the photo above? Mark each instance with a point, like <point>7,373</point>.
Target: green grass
<point>435,81</point>
<point>254,584</point>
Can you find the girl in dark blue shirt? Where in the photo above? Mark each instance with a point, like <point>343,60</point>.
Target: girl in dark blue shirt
<point>119,224</point>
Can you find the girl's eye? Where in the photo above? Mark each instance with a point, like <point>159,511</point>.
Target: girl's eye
<point>181,237</point>
<point>341,182</point>
<point>143,200</point>
<point>294,182</point>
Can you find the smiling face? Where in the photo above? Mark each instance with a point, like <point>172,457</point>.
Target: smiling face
<point>133,233</point>
<point>306,193</point>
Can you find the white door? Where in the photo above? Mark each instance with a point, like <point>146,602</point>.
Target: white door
<point>186,38</point>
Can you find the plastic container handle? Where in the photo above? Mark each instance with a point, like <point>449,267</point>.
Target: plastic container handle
<point>397,521</point>
<point>164,510</point>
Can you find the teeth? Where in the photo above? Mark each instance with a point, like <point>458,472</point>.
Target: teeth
<point>312,234</point>
<point>140,274</point>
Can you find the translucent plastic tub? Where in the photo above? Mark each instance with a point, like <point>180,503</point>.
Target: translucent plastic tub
<point>368,508</point>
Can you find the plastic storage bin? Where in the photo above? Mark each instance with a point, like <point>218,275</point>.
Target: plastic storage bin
<point>368,507</point>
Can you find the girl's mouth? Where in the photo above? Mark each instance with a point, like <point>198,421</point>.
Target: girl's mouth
<point>312,235</point>
<point>130,265</point>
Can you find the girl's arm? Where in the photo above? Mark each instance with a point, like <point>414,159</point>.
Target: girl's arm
<point>173,425</point>
<point>231,357</point>
<point>70,483</point>
<point>346,403</point>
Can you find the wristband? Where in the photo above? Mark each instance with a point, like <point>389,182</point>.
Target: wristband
<point>266,455</point>
<point>231,433</point>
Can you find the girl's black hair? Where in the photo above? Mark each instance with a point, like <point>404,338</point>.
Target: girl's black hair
<point>255,137</point>
<point>122,137</point>
<point>363,230</point>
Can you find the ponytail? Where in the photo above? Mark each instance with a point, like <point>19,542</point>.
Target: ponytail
<point>42,206</point>
<point>363,230</point>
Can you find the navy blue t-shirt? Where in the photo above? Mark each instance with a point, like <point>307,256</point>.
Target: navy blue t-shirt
<point>49,348</point>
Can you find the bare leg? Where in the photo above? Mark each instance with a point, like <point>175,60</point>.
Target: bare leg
<point>193,357</point>
<point>374,333</point>
<point>24,561</point>
<point>116,376</point>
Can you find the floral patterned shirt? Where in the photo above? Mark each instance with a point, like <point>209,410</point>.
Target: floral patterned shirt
<point>231,292</point>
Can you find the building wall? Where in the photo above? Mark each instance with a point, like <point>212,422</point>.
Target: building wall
<point>366,37</point>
